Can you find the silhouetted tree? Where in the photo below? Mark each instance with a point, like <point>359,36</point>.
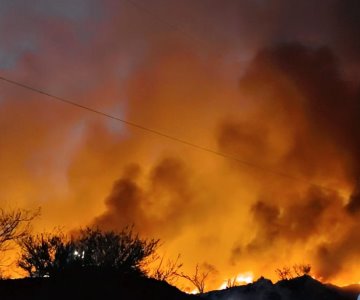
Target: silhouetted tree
<point>46,254</point>
<point>118,250</point>
<point>285,273</point>
<point>14,225</point>
<point>231,282</point>
<point>302,269</point>
<point>197,279</point>
<point>51,254</point>
<point>168,271</point>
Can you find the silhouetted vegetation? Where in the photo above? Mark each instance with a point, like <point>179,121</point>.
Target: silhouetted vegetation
<point>231,282</point>
<point>301,270</point>
<point>198,279</point>
<point>286,273</point>
<point>51,254</point>
<point>91,285</point>
<point>46,254</point>
<point>14,225</point>
<point>167,271</point>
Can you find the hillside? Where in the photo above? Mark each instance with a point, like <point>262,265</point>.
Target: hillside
<point>132,287</point>
<point>90,286</point>
<point>301,288</point>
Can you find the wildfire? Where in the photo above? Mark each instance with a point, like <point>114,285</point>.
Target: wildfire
<point>240,279</point>
<point>193,292</point>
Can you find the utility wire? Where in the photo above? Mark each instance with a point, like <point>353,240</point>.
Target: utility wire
<point>167,136</point>
<point>189,35</point>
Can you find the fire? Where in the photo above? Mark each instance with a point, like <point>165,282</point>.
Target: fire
<point>252,97</point>
<point>240,279</point>
<point>193,292</point>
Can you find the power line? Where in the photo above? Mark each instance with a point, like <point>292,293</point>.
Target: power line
<point>177,27</point>
<point>167,136</point>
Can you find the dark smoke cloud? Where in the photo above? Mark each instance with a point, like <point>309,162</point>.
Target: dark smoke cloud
<point>340,254</point>
<point>162,206</point>
<point>300,220</point>
<point>348,29</point>
<point>353,207</point>
<point>305,86</point>
<point>124,202</point>
<point>296,112</point>
<point>301,90</point>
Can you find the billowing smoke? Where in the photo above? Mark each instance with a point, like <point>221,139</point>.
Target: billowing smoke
<point>303,120</point>
<point>163,204</point>
<point>272,83</point>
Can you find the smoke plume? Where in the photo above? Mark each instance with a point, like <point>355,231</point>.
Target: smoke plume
<point>273,83</point>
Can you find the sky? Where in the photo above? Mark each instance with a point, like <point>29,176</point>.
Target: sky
<point>271,83</point>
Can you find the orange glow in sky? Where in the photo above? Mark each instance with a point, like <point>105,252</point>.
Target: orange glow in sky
<point>280,97</point>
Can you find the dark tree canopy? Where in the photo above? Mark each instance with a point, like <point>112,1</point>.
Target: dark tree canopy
<point>51,254</point>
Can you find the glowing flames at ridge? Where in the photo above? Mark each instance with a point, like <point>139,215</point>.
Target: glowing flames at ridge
<point>240,279</point>
<point>290,109</point>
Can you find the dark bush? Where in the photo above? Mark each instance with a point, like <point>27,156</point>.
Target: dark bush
<point>51,254</point>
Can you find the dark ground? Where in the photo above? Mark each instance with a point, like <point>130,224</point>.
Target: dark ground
<point>107,285</point>
<point>102,286</point>
<point>300,288</point>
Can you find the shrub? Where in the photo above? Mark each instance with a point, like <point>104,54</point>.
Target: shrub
<point>167,271</point>
<point>51,254</point>
<point>46,254</point>
<point>285,273</point>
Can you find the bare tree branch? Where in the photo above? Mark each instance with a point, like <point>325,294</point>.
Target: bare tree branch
<point>198,279</point>
<point>231,282</point>
<point>302,269</point>
<point>286,273</point>
<point>168,271</point>
<point>14,225</point>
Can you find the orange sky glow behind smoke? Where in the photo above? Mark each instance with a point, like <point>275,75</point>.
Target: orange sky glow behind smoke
<point>289,108</point>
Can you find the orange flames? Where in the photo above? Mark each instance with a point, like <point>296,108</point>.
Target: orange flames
<point>289,112</point>
<point>239,279</point>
